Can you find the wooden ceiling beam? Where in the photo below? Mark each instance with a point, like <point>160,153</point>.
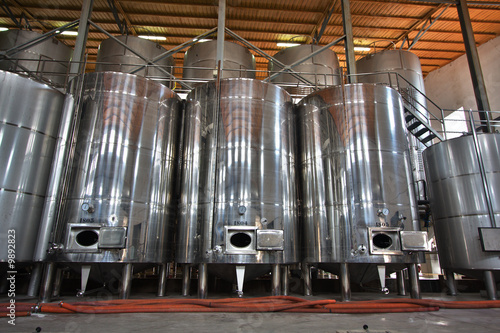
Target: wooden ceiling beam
<point>76,11</point>
<point>282,31</point>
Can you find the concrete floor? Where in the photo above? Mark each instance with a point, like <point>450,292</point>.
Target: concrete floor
<point>484,320</point>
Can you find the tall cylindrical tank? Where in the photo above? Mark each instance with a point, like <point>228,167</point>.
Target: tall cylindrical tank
<point>30,113</point>
<point>238,194</point>
<point>114,57</point>
<point>322,70</point>
<point>200,62</point>
<point>49,59</point>
<point>355,174</point>
<point>406,64</point>
<point>459,206</point>
<point>120,205</point>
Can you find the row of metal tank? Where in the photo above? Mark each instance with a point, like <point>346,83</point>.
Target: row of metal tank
<point>230,168</point>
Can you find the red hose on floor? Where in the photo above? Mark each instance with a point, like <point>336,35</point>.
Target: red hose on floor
<point>21,309</point>
<point>245,305</point>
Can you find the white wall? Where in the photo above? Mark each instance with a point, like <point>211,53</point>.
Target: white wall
<point>450,86</point>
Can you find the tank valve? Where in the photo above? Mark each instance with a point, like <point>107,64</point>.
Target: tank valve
<point>385,290</point>
<point>80,293</point>
<point>402,218</point>
<point>55,248</point>
<point>360,250</point>
<point>218,249</point>
<point>383,212</point>
<point>242,210</point>
<point>240,294</point>
<point>263,221</point>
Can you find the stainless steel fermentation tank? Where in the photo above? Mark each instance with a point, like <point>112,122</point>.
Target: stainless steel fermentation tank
<point>120,205</point>
<point>381,67</point>
<point>112,56</point>
<point>30,113</point>
<point>359,210</point>
<point>467,233</point>
<point>321,71</point>
<point>200,62</point>
<point>238,192</point>
<point>48,60</point>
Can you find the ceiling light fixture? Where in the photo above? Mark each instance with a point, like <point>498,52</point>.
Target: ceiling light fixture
<point>68,33</point>
<point>3,29</point>
<point>153,37</point>
<point>287,44</point>
<point>362,48</point>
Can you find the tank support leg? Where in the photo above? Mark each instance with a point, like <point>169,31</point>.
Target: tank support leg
<point>285,280</point>
<point>202,281</point>
<point>162,280</point>
<point>126,282</point>
<point>186,279</point>
<point>414,282</point>
<point>84,280</point>
<point>381,276</point>
<point>450,282</point>
<point>400,280</point>
<point>240,278</point>
<point>58,283</point>
<point>306,276</point>
<point>276,280</point>
<point>345,283</point>
<point>48,279</point>
<point>491,287</point>
<point>35,280</point>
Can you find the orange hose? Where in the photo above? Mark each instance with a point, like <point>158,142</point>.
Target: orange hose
<point>443,304</point>
<point>259,304</point>
<point>372,306</point>
<point>207,305</point>
<point>19,307</point>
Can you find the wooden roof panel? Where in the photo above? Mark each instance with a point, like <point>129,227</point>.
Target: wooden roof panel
<point>264,22</point>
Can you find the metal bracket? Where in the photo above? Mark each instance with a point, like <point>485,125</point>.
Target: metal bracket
<point>122,25</point>
<point>425,27</point>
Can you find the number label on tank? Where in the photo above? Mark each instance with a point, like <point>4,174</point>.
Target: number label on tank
<point>382,224</point>
<point>240,222</point>
<point>84,220</point>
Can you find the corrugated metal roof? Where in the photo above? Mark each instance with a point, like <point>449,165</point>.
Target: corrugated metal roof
<point>264,23</point>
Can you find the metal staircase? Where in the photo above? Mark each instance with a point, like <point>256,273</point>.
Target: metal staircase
<point>417,116</point>
<point>419,127</point>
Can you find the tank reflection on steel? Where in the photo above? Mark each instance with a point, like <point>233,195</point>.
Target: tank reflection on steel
<point>114,57</point>
<point>466,236</point>
<point>30,113</point>
<point>322,70</point>
<point>238,197</point>
<point>120,205</point>
<point>48,60</point>
<point>406,64</point>
<point>200,62</point>
<point>358,207</point>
